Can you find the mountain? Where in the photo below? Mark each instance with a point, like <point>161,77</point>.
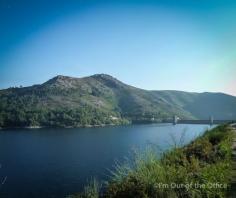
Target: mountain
<point>102,99</point>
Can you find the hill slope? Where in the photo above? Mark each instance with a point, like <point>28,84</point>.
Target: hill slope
<point>102,99</point>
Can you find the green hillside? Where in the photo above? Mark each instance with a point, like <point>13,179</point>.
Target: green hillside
<point>101,99</point>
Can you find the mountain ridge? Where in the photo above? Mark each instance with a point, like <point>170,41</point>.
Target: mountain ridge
<point>100,99</point>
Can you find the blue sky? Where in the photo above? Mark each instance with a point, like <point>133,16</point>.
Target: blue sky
<point>182,45</point>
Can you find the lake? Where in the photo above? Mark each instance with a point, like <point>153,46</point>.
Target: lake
<point>56,162</point>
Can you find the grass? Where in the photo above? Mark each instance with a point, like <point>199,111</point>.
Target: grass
<point>90,191</point>
<point>199,169</point>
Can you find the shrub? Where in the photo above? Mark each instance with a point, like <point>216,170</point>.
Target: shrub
<point>201,149</point>
<point>205,162</point>
<point>90,191</point>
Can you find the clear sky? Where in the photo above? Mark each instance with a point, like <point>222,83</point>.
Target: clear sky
<point>185,45</point>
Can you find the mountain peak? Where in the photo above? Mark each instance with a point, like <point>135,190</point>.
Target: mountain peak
<point>65,81</point>
<point>104,76</point>
<point>60,81</point>
<point>97,76</point>
<point>61,77</point>
<point>108,80</point>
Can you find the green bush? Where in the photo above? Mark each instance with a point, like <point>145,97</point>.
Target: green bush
<point>192,170</point>
<point>201,149</point>
<point>90,191</point>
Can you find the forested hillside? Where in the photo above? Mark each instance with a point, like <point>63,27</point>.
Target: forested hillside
<point>101,99</point>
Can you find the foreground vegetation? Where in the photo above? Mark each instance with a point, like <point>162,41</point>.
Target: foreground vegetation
<point>199,169</point>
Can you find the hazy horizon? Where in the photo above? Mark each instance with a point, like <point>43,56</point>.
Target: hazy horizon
<point>153,45</point>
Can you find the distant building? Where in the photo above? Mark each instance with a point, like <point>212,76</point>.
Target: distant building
<point>113,117</point>
<point>175,119</point>
<point>211,120</point>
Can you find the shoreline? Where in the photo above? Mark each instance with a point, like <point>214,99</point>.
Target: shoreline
<point>129,122</point>
<point>94,126</point>
<point>62,127</point>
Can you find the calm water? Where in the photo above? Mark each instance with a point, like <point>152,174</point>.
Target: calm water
<point>57,162</point>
